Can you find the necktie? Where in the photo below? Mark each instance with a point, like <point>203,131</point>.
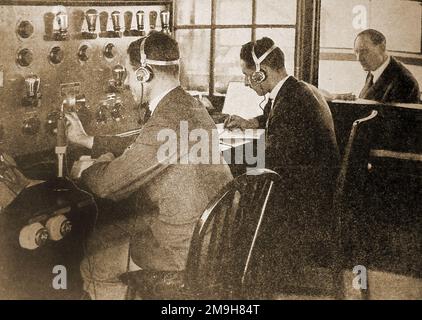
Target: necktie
<point>267,111</point>
<point>145,113</point>
<point>368,84</point>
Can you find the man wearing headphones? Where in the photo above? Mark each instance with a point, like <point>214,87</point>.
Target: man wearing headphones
<point>301,146</point>
<point>169,197</point>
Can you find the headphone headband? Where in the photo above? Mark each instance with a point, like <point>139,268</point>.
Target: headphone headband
<point>259,60</point>
<point>145,61</point>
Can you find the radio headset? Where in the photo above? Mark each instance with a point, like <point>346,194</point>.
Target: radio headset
<point>259,75</point>
<point>144,73</point>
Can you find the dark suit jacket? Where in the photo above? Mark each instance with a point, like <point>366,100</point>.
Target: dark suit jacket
<point>169,197</point>
<point>301,146</point>
<point>396,84</point>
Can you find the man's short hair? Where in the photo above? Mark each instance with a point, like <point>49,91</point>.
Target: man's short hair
<point>376,37</point>
<point>275,59</point>
<point>158,46</point>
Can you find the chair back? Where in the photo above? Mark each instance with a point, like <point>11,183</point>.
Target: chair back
<point>225,236</point>
<point>350,188</point>
<point>354,166</point>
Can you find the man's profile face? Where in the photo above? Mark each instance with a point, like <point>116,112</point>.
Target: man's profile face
<point>247,72</point>
<point>370,55</point>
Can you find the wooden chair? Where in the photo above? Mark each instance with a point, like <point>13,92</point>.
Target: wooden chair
<point>348,197</point>
<point>221,249</point>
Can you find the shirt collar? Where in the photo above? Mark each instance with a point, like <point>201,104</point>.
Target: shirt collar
<point>377,73</point>
<point>277,88</point>
<point>154,102</point>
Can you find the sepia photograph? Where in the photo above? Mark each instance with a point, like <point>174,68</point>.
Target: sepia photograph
<point>229,151</point>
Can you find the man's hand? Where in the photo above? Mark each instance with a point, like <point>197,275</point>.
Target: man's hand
<point>236,122</point>
<point>75,131</point>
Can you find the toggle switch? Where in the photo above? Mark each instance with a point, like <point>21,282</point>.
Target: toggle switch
<point>109,51</point>
<point>24,57</point>
<point>152,20</point>
<point>165,21</point>
<point>83,53</point>
<point>25,29</point>
<point>33,236</point>
<point>56,55</point>
<point>31,126</point>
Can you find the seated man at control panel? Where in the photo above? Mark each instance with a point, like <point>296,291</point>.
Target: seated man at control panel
<point>387,79</point>
<point>301,146</point>
<point>169,196</point>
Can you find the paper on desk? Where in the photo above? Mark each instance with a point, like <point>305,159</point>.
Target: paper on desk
<point>242,101</point>
<point>249,134</point>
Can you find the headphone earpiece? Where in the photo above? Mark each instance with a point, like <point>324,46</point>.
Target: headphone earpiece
<point>259,75</point>
<point>144,73</point>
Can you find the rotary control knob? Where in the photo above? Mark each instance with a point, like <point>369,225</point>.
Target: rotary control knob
<point>56,55</point>
<point>31,126</point>
<point>25,29</point>
<point>109,51</point>
<point>24,57</point>
<point>83,53</point>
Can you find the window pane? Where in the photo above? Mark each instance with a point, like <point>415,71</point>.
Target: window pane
<point>195,58</point>
<point>400,22</point>
<point>227,60</point>
<point>276,11</point>
<point>234,12</point>
<point>193,12</point>
<point>341,20</point>
<point>283,38</point>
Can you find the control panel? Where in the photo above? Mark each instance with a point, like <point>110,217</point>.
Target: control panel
<point>47,46</point>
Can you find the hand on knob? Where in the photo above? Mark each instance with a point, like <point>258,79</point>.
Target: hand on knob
<point>76,133</point>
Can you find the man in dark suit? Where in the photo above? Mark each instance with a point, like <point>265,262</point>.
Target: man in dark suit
<point>301,146</point>
<point>169,191</point>
<point>387,79</point>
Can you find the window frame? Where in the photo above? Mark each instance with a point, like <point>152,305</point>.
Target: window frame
<point>213,27</point>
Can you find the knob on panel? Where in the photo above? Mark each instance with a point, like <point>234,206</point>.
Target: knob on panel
<point>83,53</point>
<point>109,51</point>
<point>25,29</point>
<point>31,126</point>
<point>24,57</point>
<point>56,55</point>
